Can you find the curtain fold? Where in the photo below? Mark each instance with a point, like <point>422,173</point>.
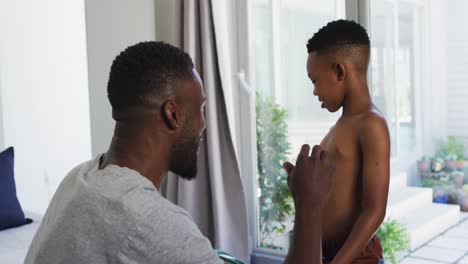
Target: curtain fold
<point>216,198</point>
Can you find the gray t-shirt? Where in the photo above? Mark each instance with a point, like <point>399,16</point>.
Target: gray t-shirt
<point>115,215</point>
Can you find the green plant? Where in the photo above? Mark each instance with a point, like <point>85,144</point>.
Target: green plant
<point>453,146</point>
<point>273,147</point>
<point>437,164</point>
<point>451,157</point>
<point>429,183</point>
<point>465,188</point>
<point>394,239</point>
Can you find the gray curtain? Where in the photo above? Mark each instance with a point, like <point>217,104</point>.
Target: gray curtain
<point>216,198</point>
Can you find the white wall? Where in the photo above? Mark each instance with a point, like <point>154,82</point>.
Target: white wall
<point>433,92</point>
<point>44,98</point>
<point>167,16</point>
<point>434,89</point>
<point>111,26</point>
<point>446,91</point>
<point>457,68</point>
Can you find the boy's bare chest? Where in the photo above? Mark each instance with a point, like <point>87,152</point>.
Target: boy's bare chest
<point>342,143</point>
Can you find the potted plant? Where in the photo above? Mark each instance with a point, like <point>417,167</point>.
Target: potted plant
<point>395,240</point>
<point>429,183</point>
<point>458,178</point>
<point>452,194</point>
<point>443,176</point>
<point>437,164</point>
<point>453,146</point>
<point>447,194</point>
<point>424,165</point>
<point>441,199</point>
<point>461,163</point>
<point>450,163</point>
<point>443,190</point>
<point>463,198</point>
<point>275,202</point>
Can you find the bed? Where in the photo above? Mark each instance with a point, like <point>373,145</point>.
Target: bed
<point>14,242</point>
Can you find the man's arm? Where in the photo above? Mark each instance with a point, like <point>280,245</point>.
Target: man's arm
<point>306,244</point>
<point>309,182</point>
<point>375,147</point>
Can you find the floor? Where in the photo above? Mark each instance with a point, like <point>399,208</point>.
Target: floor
<point>449,247</point>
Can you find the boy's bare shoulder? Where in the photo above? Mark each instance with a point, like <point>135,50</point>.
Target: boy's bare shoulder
<point>373,124</point>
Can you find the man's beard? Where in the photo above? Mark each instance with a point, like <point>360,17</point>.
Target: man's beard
<point>184,155</point>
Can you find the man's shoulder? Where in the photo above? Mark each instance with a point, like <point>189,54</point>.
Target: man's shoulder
<point>116,193</point>
<point>164,232</point>
<point>147,204</point>
<point>136,198</point>
<point>167,234</point>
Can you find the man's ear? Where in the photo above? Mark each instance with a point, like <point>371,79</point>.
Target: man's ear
<point>172,114</point>
<point>340,71</point>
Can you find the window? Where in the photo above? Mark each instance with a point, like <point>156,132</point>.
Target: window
<point>396,68</point>
<point>288,114</point>
<point>417,77</point>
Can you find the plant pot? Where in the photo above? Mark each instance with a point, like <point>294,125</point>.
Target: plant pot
<point>450,165</point>
<point>461,164</point>
<point>445,195</point>
<point>463,202</point>
<point>442,199</point>
<point>437,165</point>
<point>424,166</point>
<point>458,179</point>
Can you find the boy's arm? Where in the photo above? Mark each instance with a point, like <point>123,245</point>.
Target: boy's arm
<point>375,146</point>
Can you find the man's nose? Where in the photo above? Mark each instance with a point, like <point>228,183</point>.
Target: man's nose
<point>315,91</point>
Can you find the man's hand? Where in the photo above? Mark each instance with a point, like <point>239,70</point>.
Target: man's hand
<point>309,181</point>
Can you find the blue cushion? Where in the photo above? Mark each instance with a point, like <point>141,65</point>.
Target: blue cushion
<point>11,214</point>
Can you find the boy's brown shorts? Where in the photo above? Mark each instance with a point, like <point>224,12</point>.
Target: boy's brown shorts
<point>372,254</point>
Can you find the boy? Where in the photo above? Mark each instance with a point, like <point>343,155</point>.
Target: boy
<point>358,144</point>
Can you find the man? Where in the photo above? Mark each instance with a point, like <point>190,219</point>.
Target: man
<point>109,210</point>
<point>359,143</point>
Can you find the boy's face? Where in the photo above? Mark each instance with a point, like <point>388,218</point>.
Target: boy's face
<point>328,86</point>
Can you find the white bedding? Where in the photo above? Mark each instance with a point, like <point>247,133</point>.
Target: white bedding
<point>14,242</point>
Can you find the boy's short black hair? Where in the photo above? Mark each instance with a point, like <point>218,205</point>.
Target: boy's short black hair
<point>342,36</point>
<point>143,71</point>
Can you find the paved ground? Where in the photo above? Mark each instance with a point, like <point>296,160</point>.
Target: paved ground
<point>449,247</point>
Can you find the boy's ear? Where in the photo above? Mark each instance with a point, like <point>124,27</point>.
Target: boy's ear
<point>340,71</point>
<point>172,114</point>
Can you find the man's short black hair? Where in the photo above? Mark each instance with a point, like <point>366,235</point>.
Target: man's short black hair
<point>342,37</point>
<point>144,73</point>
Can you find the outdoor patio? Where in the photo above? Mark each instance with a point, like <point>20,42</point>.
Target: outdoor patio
<point>449,247</point>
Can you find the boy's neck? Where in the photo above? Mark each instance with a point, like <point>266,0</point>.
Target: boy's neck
<point>357,100</point>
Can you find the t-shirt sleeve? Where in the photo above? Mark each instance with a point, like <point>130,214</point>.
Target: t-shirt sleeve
<point>172,238</point>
